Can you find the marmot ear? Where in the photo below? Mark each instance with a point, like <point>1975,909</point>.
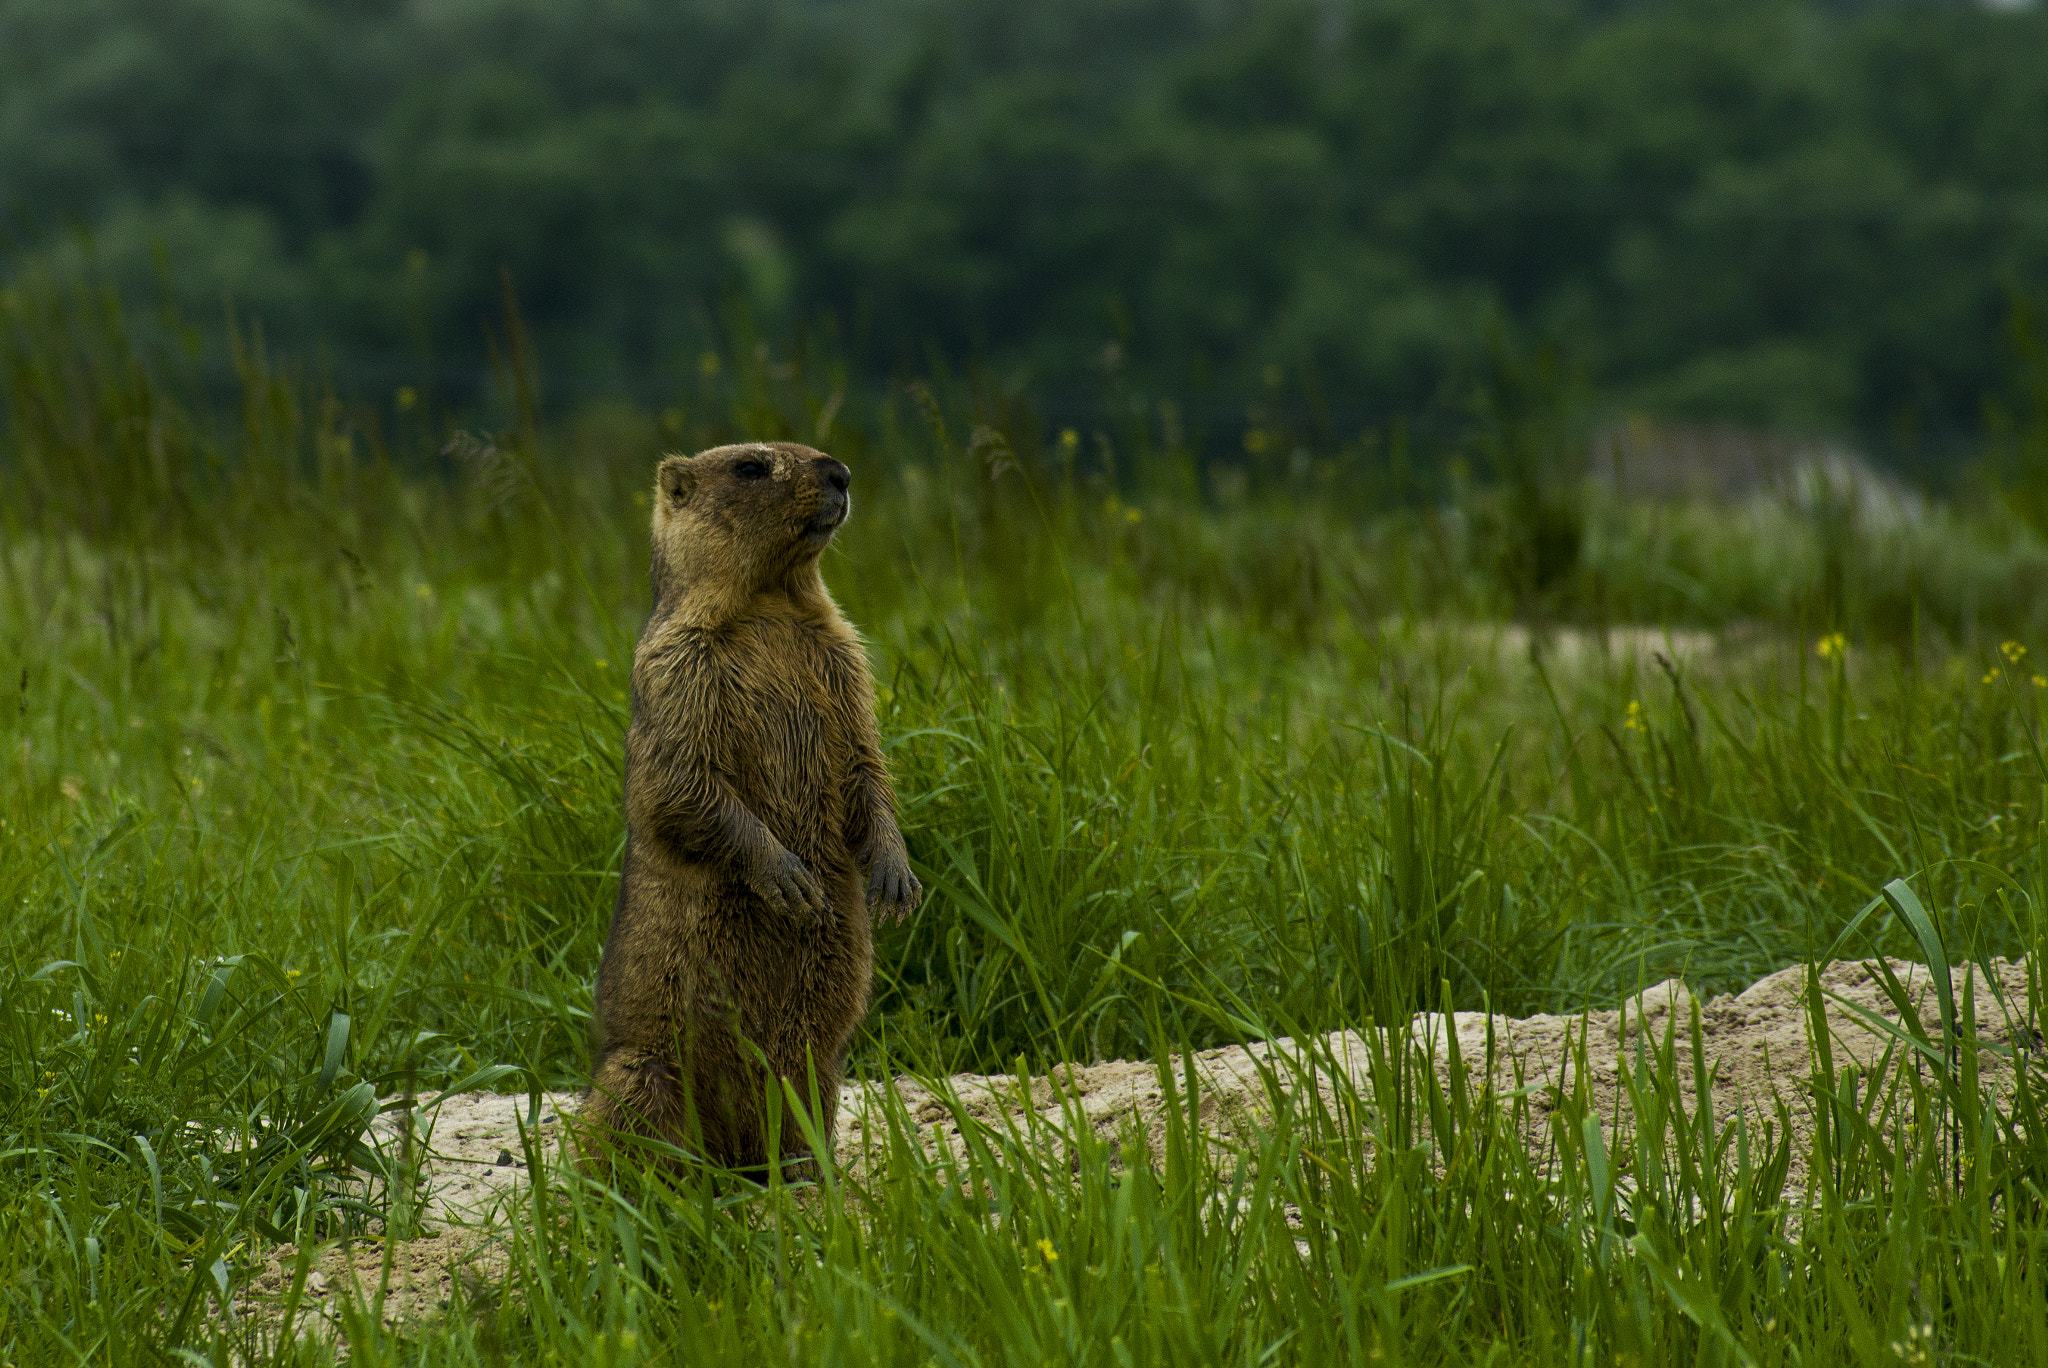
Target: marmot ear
<point>674,480</point>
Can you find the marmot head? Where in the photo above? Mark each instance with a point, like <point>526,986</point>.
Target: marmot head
<point>734,521</point>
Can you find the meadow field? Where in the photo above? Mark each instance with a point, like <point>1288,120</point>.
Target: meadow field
<point>309,771</point>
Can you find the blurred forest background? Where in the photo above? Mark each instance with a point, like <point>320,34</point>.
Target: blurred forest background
<point>1814,217</point>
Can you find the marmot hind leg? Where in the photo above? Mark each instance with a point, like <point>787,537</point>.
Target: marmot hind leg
<point>710,1108</point>
<point>800,1072</point>
<point>736,1078</point>
<point>638,1093</point>
<point>715,1104</point>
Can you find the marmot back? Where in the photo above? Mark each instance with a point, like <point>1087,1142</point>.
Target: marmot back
<point>760,826</point>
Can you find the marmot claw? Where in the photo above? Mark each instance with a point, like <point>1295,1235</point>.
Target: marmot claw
<point>789,886</point>
<point>893,891</point>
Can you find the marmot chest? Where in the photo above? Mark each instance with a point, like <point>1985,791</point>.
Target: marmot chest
<point>780,698</point>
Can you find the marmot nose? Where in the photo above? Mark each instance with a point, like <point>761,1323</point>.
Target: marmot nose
<point>835,474</point>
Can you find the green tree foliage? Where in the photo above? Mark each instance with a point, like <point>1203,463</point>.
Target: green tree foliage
<point>1801,214</point>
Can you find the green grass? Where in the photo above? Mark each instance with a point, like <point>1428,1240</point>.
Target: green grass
<point>309,795</point>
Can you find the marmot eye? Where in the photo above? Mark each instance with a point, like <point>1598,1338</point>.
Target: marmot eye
<point>750,470</point>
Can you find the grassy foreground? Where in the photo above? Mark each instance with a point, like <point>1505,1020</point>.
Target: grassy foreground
<point>308,797</point>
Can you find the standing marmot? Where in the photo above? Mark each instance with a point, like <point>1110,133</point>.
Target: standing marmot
<point>756,797</point>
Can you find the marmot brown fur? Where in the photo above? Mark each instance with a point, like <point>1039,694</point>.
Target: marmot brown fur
<point>756,799</point>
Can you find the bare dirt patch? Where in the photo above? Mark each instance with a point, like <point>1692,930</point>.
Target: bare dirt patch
<point>1756,1044</point>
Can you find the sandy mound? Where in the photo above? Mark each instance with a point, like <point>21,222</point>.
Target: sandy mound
<point>1755,1042</point>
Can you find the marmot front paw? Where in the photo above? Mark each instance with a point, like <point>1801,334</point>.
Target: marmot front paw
<point>786,884</point>
<point>893,891</point>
